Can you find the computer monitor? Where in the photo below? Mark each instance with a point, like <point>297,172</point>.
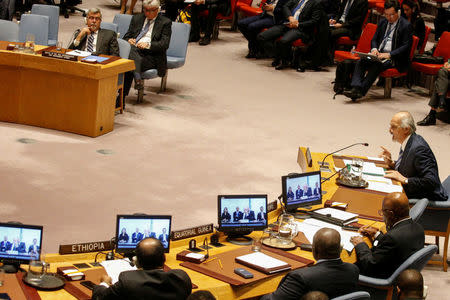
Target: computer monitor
<point>19,244</point>
<point>239,215</point>
<point>131,229</point>
<point>301,190</point>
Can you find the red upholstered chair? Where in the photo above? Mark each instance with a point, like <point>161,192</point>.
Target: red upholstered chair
<point>425,39</point>
<point>245,8</point>
<point>347,41</point>
<point>362,46</point>
<point>442,49</point>
<point>220,17</point>
<point>394,73</point>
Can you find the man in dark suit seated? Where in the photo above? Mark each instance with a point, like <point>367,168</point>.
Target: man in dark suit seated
<point>307,191</point>
<point>123,236</point>
<point>33,249</point>
<point>164,238</point>
<point>5,245</point>
<point>298,192</point>
<point>93,39</point>
<point>317,190</point>
<point>225,217</point>
<point>149,35</point>
<point>329,275</point>
<point>237,215</point>
<point>213,7</point>
<point>410,285</point>
<point>149,281</point>
<point>290,194</point>
<point>249,214</point>
<point>19,246</point>
<point>391,44</point>
<point>301,17</point>
<point>416,168</point>
<point>403,238</point>
<point>136,236</point>
<point>261,215</point>
<point>348,21</point>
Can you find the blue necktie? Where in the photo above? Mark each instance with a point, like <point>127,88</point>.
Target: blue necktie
<point>298,7</point>
<point>399,160</point>
<point>143,31</point>
<point>347,8</point>
<point>386,37</point>
<point>90,43</point>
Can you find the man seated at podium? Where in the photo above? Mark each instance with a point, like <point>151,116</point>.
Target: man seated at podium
<point>5,245</point>
<point>237,215</point>
<point>19,246</point>
<point>33,250</point>
<point>298,192</point>
<point>148,279</point>
<point>316,189</point>
<point>123,236</point>
<point>136,236</point>
<point>261,215</point>
<point>329,275</point>
<point>307,192</point>
<point>403,238</point>
<point>164,238</point>
<point>290,194</point>
<point>249,214</point>
<point>225,217</point>
<point>94,39</point>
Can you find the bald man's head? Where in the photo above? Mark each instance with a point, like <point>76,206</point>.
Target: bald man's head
<point>395,208</point>
<point>150,254</point>
<point>410,283</point>
<point>315,295</point>
<point>326,244</point>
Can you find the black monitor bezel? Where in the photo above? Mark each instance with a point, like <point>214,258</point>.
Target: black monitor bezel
<point>293,207</point>
<point>26,226</point>
<point>128,250</point>
<point>239,228</point>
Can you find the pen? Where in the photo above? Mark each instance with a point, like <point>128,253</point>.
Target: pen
<point>209,260</point>
<point>367,226</point>
<point>220,264</point>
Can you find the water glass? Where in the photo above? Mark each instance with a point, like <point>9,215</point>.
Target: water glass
<point>36,270</point>
<point>29,42</point>
<point>357,167</point>
<point>58,46</point>
<point>287,229</point>
<point>256,244</point>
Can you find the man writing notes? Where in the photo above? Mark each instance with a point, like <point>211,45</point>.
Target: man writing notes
<point>149,35</point>
<point>329,275</point>
<point>93,39</point>
<point>390,44</point>
<point>402,239</point>
<point>149,281</point>
<point>416,167</point>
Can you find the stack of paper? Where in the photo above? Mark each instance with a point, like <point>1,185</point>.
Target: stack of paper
<point>263,262</point>
<point>345,217</point>
<point>381,184</point>
<point>115,267</point>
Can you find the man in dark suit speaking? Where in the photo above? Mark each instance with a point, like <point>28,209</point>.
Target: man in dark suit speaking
<point>93,39</point>
<point>149,281</point>
<point>329,275</point>
<point>237,215</point>
<point>149,35</point>
<point>416,167</point>
<point>402,239</point>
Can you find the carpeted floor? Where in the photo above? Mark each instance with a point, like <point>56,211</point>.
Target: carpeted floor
<point>225,125</point>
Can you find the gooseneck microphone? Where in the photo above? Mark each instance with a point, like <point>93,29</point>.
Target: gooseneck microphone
<point>323,160</point>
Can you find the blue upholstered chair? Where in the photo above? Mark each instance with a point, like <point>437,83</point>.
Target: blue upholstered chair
<point>124,52</point>
<point>9,31</point>
<point>417,210</point>
<point>52,12</point>
<point>110,26</point>
<point>354,296</point>
<point>123,21</point>
<point>436,222</point>
<point>36,25</point>
<point>384,288</point>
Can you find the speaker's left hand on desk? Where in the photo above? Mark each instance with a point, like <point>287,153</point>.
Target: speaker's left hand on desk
<point>355,240</point>
<point>106,279</point>
<point>395,175</point>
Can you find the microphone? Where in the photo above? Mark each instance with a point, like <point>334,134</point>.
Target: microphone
<point>323,160</point>
<point>207,247</point>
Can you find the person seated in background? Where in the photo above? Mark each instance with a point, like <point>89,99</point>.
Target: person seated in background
<point>261,215</point>
<point>437,100</point>
<point>213,7</point>
<point>136,236</point>
<point>123,6</point>
<point>411,12</point>
<point>148,233</point>
<point>391,44</point>
<point>410,285</point>
<point>328,275</point>
<point>149,36</point>
<point>290,194</point>
<point>249,214</point>
<point>348,22</point>
<point>251,26</point>
<point>164,238</point>
<point>19,246</point>
<point>5,245</point>
<point>201,295</point>
<point>298,192</point>
<point>148,279</point>
<point>300,17</point>
<point>315,295</point>
<point>317,189</point>
<point>123,236</point>
<point>416,168</point>
<point>33,249</point>
<point>307,191</point>
<point>237,215</point>
<point>94,39</point>
<point>403,238</point>
<point>225,217</point>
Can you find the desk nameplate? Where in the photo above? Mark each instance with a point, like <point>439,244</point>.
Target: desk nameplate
<point>85,247</point>
<point>191,232</point>
<point>59,55</point>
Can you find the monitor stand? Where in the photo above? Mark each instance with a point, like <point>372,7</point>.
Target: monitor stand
<point>239,239</point>
<point>302,214</point>
<point>10,267</point>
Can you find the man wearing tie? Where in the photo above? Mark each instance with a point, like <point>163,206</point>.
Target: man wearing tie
<point>249,214</point>
<point>261,215</point>
<point>136,236</point>
<point>237,215</point>
<point>301,17</point>
<point>5,245</point>
<point>416,168</point>
<point>149,35</point>
<point>298,192</point>
<point>391,44</point>
<point>317,189</point>
<point>93,39</point>
<point>33,250</point>
<point>164,238</point>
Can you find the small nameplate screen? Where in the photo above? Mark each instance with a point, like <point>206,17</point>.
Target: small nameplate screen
<point>59,55</point>
<point>85,247</point>
<point>191,232</point>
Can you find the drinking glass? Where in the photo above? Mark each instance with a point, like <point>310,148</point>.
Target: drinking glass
<point>287,229</point>
<point>357,167</point>
<point>58,46</point>
<point>36,271</point>
<point>29,42</point>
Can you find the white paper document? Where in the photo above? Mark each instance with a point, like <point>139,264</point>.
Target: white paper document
<point>115,267</point>
<point>375,158</point>
<point>381,184</point>
<point>79,53</point>
<point>263,260</point>
<point>336,213</point>
<point>371,169</point>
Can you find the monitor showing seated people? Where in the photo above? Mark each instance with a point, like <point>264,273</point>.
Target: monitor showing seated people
<point>239,215</point>
<point>131,229</point>
<point>301,190</point>
<point>19,244</point>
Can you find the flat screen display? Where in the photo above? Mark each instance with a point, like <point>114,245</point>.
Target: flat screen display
<point>242,211</point>
<point>131,229</point>
<point>20,243</point>
<point>301,190</point>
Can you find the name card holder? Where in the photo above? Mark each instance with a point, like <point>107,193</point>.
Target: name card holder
<point>59,55</point>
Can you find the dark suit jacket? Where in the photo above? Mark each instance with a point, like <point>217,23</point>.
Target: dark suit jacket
<point>332,277</point>
<point>390,250</point>
<point>124,237</point>
<point>162,30</point>
<point>355,17</point>
<point>106,43</point>
<point>401,42</point>
<point>290,195</point>
<point>30,249</point>
<point>251,216</point>
<point>316,191</point>
<point>309,17</point>
<point>226,216</point>
<point>298,194</point>
<point>5,246</point>
<point>260,216</point>
<point>420,167</point>
<point>237,215</point>
<point>21,248</point>
<point>136,237</point>
<point>147,284</point>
